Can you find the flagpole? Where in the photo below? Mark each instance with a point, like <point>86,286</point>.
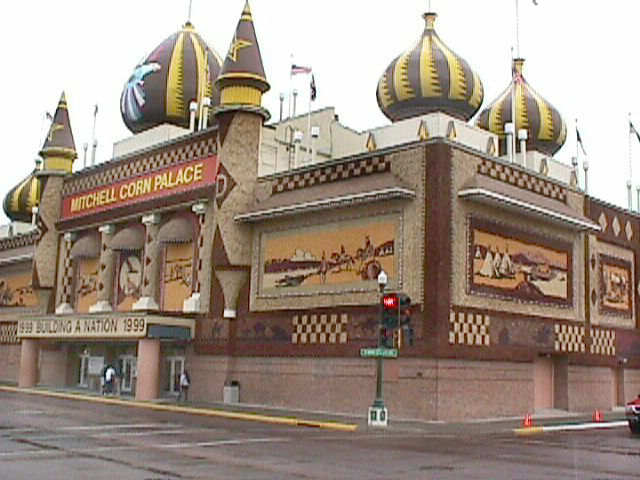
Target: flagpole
<point>309,124</point>
<point>630,170</point>
<point>513,106</point>
<point>290,82</point>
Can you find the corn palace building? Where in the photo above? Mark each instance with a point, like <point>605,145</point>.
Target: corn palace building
<point>247,251</point>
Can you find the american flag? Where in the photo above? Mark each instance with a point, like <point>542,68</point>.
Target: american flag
<point>297,69</point>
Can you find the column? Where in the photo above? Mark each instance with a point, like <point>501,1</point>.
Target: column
<point>151,262</point>
<point>193,304</point>
<point>106,272</point>
<point>65,281</point>
<point>148,369</point>
<point>29,363</point>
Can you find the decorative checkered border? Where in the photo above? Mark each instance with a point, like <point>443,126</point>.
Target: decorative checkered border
<point>67,272</point>
<point>319,329</point>
<point>128,168</point>
<point>469,328</point>
<point>569,338</point>
<point>18,241</point>
<point>9,333</point>
<point>200,251</point>
<point>525,180</point>
<point>332,173</point>
<point>603,342</point>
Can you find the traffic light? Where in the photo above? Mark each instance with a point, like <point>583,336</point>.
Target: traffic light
<point>404,317</point>
<point>389,320</point>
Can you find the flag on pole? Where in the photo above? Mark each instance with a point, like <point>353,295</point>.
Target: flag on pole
<point>580,141</point>
<point>633,130</point>
<point>48,116</point>
<point>297,69</point>
<point>312,88</point>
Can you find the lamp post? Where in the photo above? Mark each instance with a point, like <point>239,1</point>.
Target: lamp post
<point>378,414</point>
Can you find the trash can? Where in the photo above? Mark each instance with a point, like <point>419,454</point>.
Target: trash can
<point>231,392</point>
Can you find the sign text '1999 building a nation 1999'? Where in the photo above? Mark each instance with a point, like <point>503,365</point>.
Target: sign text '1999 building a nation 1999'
<point>173,180</point>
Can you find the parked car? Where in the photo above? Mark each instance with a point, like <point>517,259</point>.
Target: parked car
<point>632,412</point>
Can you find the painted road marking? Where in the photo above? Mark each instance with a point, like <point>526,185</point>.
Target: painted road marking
<point>570,427</point>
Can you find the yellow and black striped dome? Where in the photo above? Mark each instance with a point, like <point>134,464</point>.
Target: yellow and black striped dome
<point>21,199</point>
<point>547,131</point>
<point>181,69</point>
<point>428,78</point>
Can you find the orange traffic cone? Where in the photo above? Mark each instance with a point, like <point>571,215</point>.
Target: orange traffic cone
<point>528,420</point>
<point>597,416</point>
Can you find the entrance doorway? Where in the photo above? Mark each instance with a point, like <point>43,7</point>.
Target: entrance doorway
<point>174,366</point>
<point>83,381</point>
<point>129,365</point>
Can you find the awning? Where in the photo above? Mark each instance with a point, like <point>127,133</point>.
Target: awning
<point>178,229</point>
<point>87,246</point>
<point>130,238</point>
<point>326,196</point>
<point>484,189</point>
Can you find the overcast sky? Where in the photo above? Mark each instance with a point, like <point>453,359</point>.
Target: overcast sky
<point>581,55</point>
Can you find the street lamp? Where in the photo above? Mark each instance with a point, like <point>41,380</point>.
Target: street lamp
<point>378,413</point>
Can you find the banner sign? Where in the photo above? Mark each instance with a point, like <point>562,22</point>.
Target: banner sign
<point>118,327</point>
<point>167,181</point>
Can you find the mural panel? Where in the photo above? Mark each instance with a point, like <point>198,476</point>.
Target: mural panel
<point>129,279</point>
<point>86,286</point>
<point>615,286</point>
<point>518,265</point>
<point>16,290</point>
<point>177,275</point>
<point>335,256</point>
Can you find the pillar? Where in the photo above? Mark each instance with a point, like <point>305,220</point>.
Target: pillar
<point>29,363</point>
<point>193,304</point>
<point>151,261</point>
<point>65,279</point>
<point>106,272</point>
<point>148,369</point>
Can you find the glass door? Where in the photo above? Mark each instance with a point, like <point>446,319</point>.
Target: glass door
<point>174,366</point>
<point>128,368</point>
<point>84,371</point>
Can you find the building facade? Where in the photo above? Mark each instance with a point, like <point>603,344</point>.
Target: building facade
<point>250,257</point>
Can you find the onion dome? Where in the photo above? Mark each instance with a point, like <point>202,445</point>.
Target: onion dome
<point>427,78</point>
<point>59,149</point>
<point>179,70</point>
<point>21,199</point>
<point>546,129</point>
<point>242,81</point>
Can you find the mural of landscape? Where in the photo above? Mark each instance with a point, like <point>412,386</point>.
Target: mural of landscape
<point>16,290</point>
<point>334,254</point>
<point>86,284</point>
<point>519,265</point>
<point>615,285</point>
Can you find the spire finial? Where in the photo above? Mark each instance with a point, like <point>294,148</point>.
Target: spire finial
<point>189,17</point>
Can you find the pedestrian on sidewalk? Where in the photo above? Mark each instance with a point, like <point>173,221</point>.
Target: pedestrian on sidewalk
<point>185,381</point>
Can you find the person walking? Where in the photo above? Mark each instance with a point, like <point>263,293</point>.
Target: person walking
<point>109,378</point>
<point>185,381</point>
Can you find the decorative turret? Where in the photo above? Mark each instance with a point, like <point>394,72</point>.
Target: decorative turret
<point>179,70</point>
<point>546,130</point>
<point>59,150</point>
<point>242,81</point>
<point>58,154</point>
<point>429,78</point>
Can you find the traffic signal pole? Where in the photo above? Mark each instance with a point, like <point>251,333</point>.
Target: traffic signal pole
<point>378,413</point>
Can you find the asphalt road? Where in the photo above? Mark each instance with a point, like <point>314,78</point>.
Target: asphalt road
<point>61,439</point>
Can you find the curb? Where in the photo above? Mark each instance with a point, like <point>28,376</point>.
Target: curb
<point>570,427</point>
<point>208,412</point>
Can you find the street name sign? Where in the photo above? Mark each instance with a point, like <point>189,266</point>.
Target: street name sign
<point>379,352</point>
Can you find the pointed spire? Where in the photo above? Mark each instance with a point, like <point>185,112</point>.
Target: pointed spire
<point>59,149</point>
<point>242,80</point>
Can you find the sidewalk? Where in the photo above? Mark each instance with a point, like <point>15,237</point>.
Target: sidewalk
<point>542,421</point>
